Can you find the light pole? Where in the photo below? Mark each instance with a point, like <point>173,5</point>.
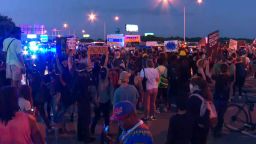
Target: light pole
<point>184,12</point>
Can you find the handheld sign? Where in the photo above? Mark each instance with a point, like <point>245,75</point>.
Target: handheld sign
<point>171,46</point>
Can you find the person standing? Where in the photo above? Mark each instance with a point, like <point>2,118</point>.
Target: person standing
<point>126,92</point>
<point>152,76</point>
<point>134,129</point>
<point>240,76</point>
<point>83,95</point>
<point>221,96</point>
<point>14,61</point>
<point>16,127</point>
<point>198,110</point>
<point>163,85</point>
<point>103,100</point>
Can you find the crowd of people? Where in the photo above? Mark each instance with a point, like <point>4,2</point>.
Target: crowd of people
<point>115,85</point>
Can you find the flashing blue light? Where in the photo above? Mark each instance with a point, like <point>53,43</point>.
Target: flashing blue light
<point>33,46</point>
<point>25,52</point>
<point>44,38</point>
<point>33,57</point>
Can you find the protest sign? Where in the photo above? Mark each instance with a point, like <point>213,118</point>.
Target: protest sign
<point>171,46</point>
<point>213,43</point>
<point>233,44</point>
<point>97,50</point>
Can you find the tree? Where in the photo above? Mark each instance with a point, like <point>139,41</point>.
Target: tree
<point>6,26</point>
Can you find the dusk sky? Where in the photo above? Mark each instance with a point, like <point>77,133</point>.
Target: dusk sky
<point>234,18</point>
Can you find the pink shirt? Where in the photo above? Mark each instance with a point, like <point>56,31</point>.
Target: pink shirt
<point>17,130</point>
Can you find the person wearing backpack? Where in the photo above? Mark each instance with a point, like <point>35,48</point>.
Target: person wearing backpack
<point>221,96</point>
<point>240,76</point>
<point>197,108</point>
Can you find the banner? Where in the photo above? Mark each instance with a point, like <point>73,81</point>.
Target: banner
<point>132,39</point>
<point>233,44</point>
<point>151,43</point>
<point>115,40</point>
<point>171,46</point>
<point>213,42</point>
<point>97,50</point>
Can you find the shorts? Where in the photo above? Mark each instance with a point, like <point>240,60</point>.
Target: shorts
<point>13,72</point>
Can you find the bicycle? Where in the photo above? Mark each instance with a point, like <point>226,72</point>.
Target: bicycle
<point>238,116</point>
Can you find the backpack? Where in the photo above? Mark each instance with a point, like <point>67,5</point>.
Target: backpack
<point>208,105</point>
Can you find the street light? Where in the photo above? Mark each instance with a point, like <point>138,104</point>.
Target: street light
<point>92,17</point>
<point>199,1</point>
<point>83,31</point>
<point>116,18</point>
<point>65,25</point>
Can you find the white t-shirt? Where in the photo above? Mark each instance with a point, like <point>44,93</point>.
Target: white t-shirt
<point>151,75</point>
<point>13,51</point>
<point>24,104</point>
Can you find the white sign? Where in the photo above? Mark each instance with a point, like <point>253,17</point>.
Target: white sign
<point>132,28</point>
<point>171,46</point>
<point>151,43</point>
<point>115,40</point>
<point>233,44</point>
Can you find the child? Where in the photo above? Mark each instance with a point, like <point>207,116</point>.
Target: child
<point>180,126</point>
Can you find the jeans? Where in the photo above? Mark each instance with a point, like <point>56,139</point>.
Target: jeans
<point>150,102</point>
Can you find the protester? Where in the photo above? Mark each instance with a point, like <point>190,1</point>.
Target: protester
<point>180,126</point>
<point>173,77</point>
<point>221,96</point>
<point>152,77</point>
<point>126,92</point>
<point>240,77</point>
<point>84,100</point>
<point>197,109</point>
<point>14,61</point>
<point>134,129</point>
<point>104,99</point>
<point>163,85</point>
<point>16,127</point>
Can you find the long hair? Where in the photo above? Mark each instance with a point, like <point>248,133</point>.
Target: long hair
<point>25,92</point>
<point>203,86</point>
<point>8,103</point>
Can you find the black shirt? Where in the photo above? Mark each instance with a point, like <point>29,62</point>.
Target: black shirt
<point>180,129</point>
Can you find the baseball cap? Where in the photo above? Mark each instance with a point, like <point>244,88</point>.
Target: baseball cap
<point>121,110</point>
<point>124,76</point>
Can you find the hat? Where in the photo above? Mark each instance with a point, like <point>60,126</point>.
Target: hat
<point>182,53</point>
<point>121,110</point>
<point>124,76</point>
